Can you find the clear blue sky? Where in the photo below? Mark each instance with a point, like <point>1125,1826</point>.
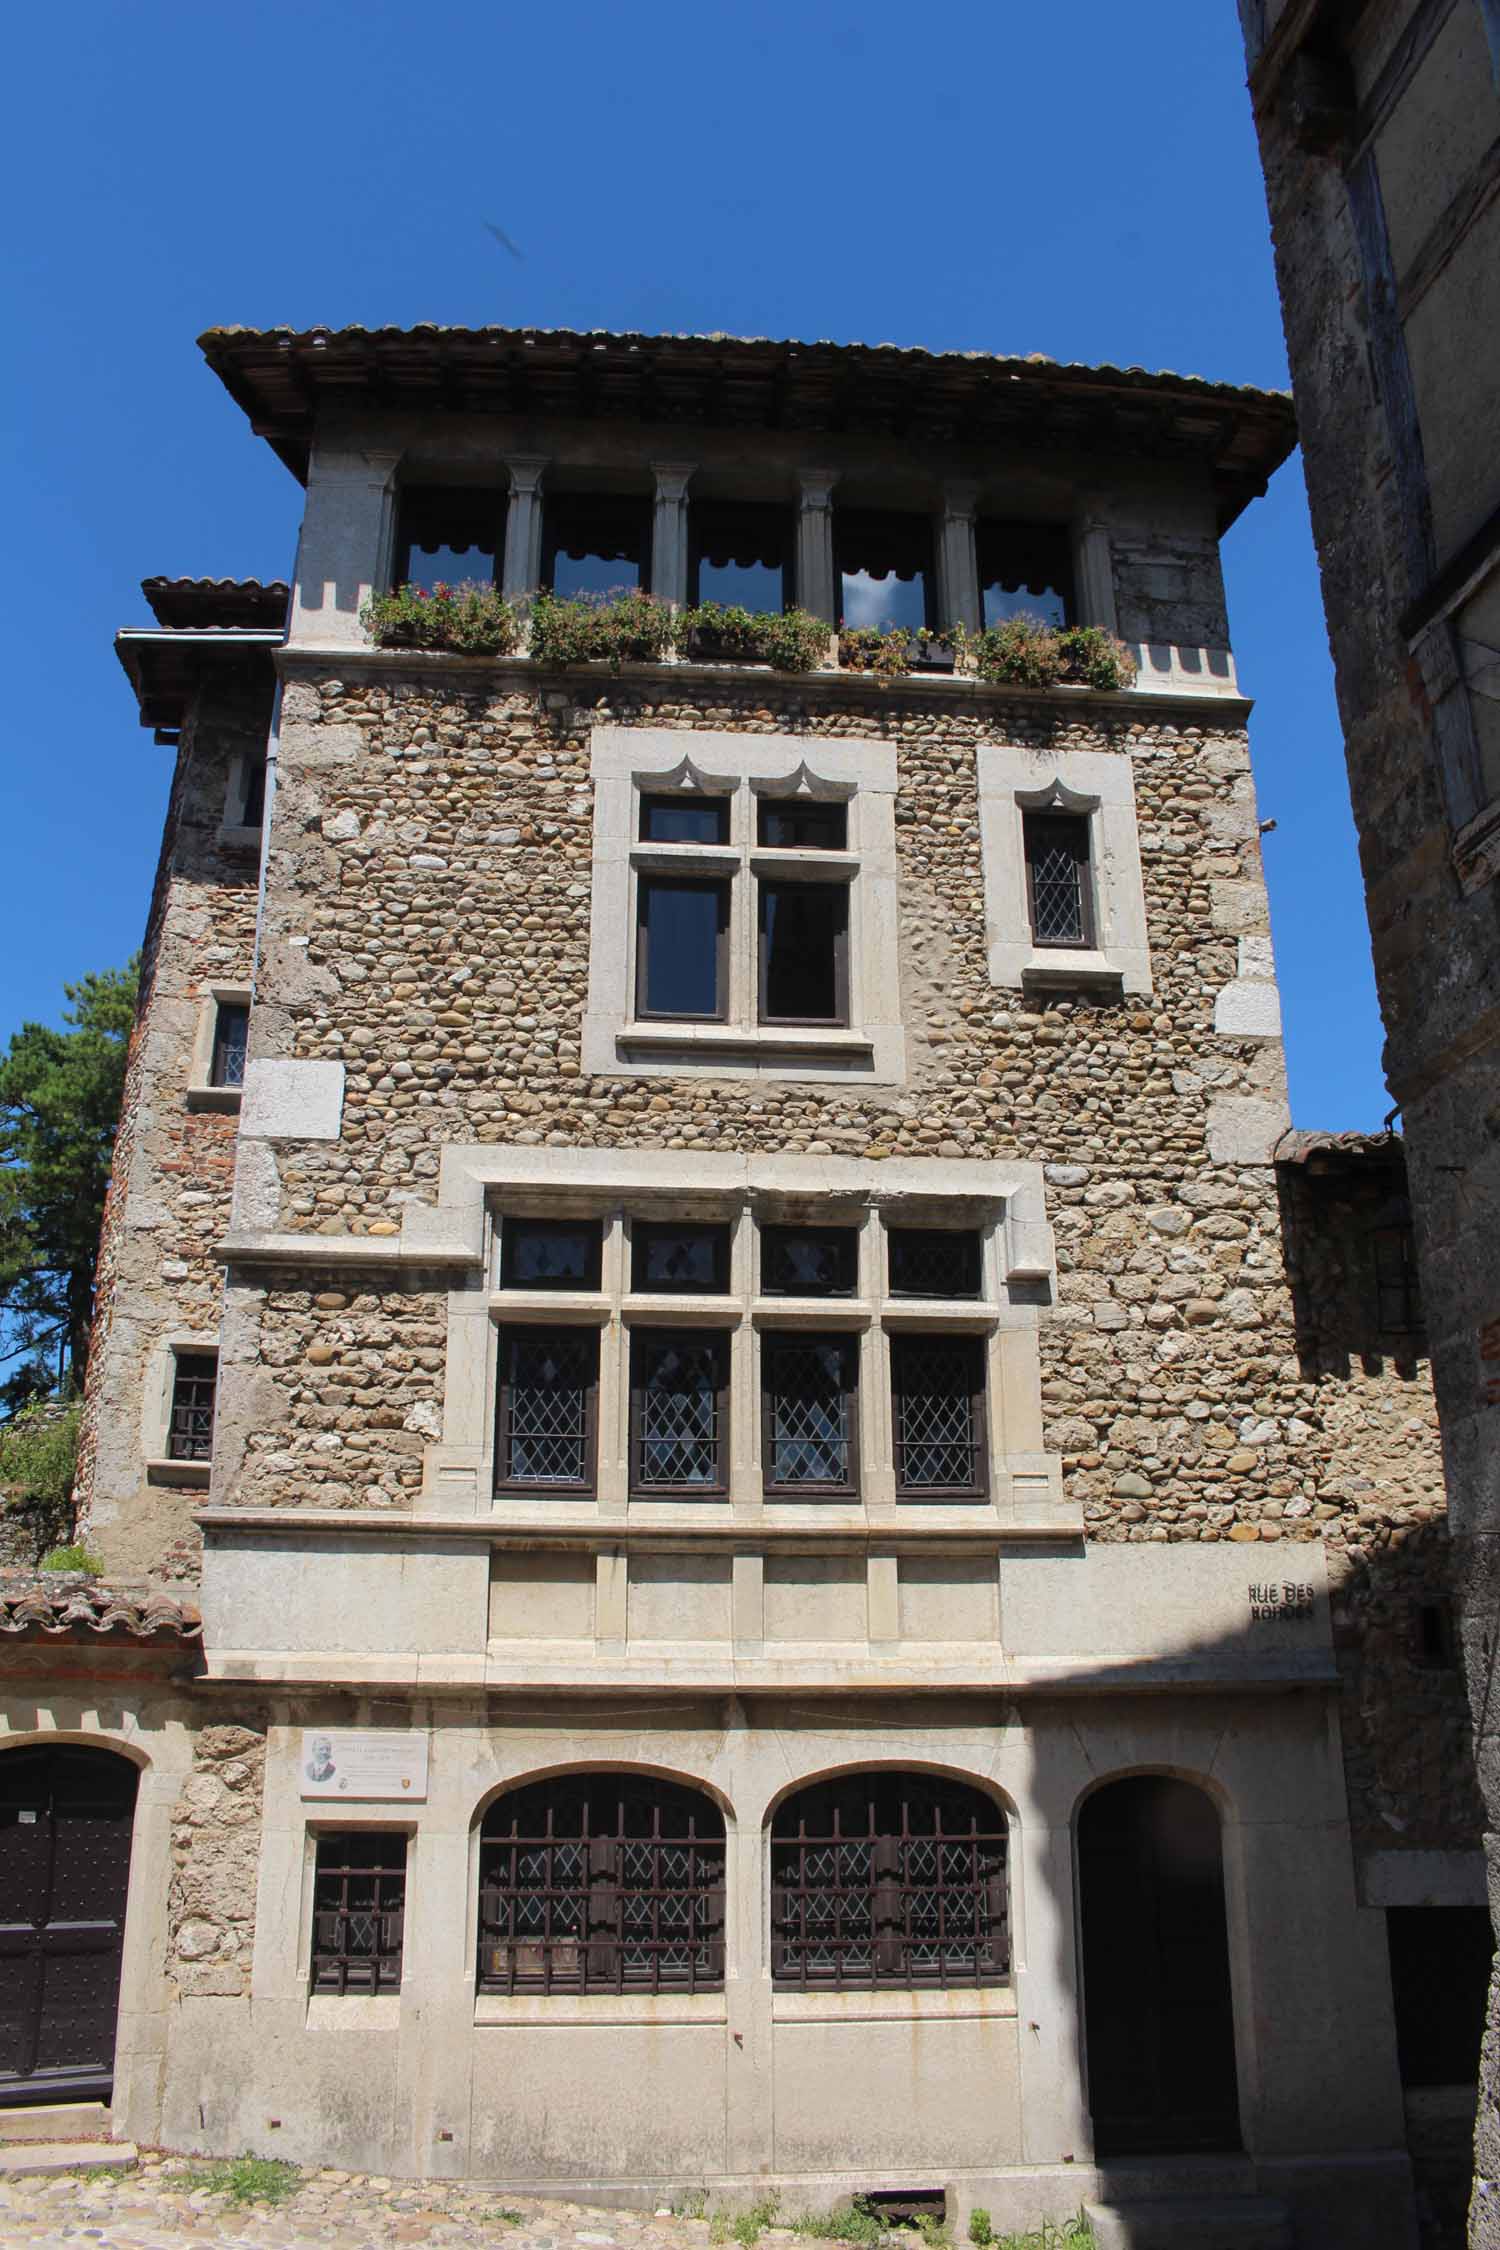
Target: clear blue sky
<point>1000,177</point>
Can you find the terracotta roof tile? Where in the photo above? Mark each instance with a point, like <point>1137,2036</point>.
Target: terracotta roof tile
<point>200,602</point>
<point>66,1602</point>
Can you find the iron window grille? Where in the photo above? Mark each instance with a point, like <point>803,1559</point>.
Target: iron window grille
<point>550,1253</point>
<point>804,952</point>
<point>808,1261</point>
<point>190,1435</point>
<point>546,1411</point>
<point>595,544</point>
<point>937,1388</point>
<point>883,1879</point>
<point>690,1261</point>
<point>1024,566</point>
<point>884,569</point>
<point>934,1262</point>
<point>685,820</point>
<point>682,949</point>
<point>740,556</point>
<point>1059,884</point>
<point>679,1413</point>
<point>449,535</point>
<point>602,1883</point>
<point>1398,1299</point>
<point>231,1039</point>
<point>788,824</point>
<point>809,1422</point>
<point>359,1908</point>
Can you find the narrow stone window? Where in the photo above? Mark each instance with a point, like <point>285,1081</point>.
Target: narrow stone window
<point>547,1410</point>
<point>1059,889</point>
<point>231,1037</point>
<point>1434,1646</point>
<point>937,1393</point>
<point>884,567</point>
<point>808,1416</point>
<point>679,1414</point>
<point>595,544</point>
<point>1024,567</point>
<point>253,810</point>
<point>804,952</point>
<point>1398,1297</point>
<point>448,535</point>
<point>359,1910</point>
<point>740,556</point>
<point>682,949</point>
<point>190,1431</point>
<point>550,1253</point>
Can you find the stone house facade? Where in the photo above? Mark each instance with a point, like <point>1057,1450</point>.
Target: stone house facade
<point>790,1525</point>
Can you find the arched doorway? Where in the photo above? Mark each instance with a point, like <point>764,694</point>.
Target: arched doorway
<point>66,1816</point>
<point>1158,2008</point>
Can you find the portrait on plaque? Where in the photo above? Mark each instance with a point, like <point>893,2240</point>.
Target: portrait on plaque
<point>363,1764</point>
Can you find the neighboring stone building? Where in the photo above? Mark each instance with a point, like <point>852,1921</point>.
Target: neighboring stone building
<point>1378,132</point>
<point>787,1589</point>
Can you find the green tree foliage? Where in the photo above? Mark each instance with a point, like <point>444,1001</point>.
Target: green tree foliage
<point>60,1094</point>
<point>38,1460</point>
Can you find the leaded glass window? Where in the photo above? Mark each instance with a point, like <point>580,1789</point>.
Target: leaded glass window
<point>888,1879</point>
<point>804,952</point>
<point>1059,888</point>
<point>549,1380</point>
<point>808,1261</point>
<point>808,1414</point>
<point>679,1413</point>
<point>687,1261</point>
<point>602,1883</point>
<point>549,1253</point>
<point>934,1262</point>
<point>231,1040</point>
<point>359,1906</point>
<point>937,1387</point>
<point>195,1380</point>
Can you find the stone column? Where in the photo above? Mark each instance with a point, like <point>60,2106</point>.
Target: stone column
<point>815,587</point>
<point>1094,573</point>
<point>669,532</point>
<point>958,559</point>
<point>344,553</point>
<point>522,568</point>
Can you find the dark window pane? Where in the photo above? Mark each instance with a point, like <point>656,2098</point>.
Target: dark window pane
<point>741,557</point>
<point>195,1380</point>
<point>448,535</point>
<point>253,810</point>
<point>550,1253</point>
<point>683,926</point>
<point>784,825</point>
<point>1399,1303</point>
<point>231,1037</point>
<point>885,570</point>
<point>602,1883</point>
<point>685,820</point>
<point>802,944</point>
<point>808,1261</point>
<point>933,1262</point>
<point>359,1908</point>
<point>678,1412</point>
<point>937,1384</point>
<point>1440,1971</point>
<point>594,546</point>
<point>1057,878</point>
<point>1025,567</point>
<point>548,1384</point>
<point>691,1260</point>
<point>807,1385</point>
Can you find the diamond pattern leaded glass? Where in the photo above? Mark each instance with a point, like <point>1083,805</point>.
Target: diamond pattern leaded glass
<point>889,1879</point>
<point>937,1383</point>
<point>546,1407</point>
<point>678,1412</point>
<point>1056,864</point>
<point>688,1260</point>
<point>934,1262</point>
<point>550,1254</point>
<point>359,1899</point>
<point>808,1381</point>
<point>807,1261</point>
<point>602,1883</point>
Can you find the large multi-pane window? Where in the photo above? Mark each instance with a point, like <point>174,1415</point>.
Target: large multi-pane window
<point>595,543</point>
<point>740,556</point>
<point>448,535</point>
<point>601,1883</point>
<point>884,569</point>
<point>888,1879</point>
<point>1024,567</point>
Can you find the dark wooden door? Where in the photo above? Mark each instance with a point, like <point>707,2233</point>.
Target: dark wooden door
<point>1158,2009</point>
<point>65,1827</point>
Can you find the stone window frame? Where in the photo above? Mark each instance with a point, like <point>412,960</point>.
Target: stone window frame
<point>202,1093</point>
<point>236,833</point>
<point>156,1409</point>
<point>1098,785</point>
<point>343,2011</point>
<point>631,762</point>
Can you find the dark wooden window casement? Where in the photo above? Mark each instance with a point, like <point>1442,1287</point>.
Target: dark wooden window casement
<point>804,952</point>
<point>1398,1298</point>
<point>740,556</point>
<point>231,1039</point>
<point>937,1392</point>
<point>934,1262</point>
<point>684,820</point>
<point>682,948</point>
<point>449,535</point>
<point>1434,1642</point>
<point>253,810</point>
<point>667,1258</point>
<point>359,1905</point>
<point>884,568</point>
<point>888,1879</point>
<point>800,824</point>
<point>809,1417</point>
<point>602,1883</point>
<point>1024,567</point>
<point>190,1433</point>
<point>808,1261</point>
<point>595,543</point>
<point>550,1253</point>
<point>547,1410</point>
<point>1059,879</point>
<point>1440,1971</point>
<point>679,1413</point>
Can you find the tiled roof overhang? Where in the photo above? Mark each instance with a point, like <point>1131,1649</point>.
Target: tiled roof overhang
<point>219,602</point>
<point>64,1606</point>
<point>202,621</point>
<point>1321,1152</point>
<point>284,378</point>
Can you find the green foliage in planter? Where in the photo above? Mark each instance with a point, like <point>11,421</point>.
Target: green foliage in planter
<point>1023,651</point>
<point>611,628</point>
<point>1095,657</point>
<point>864,648</point>
<point>791,640</point>
<point>469,620</point>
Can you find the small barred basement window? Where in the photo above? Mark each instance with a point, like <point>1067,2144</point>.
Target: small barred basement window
<point>602,1883</point>
<point>195,1378</point>
<point>888,1879</point>
<point>359,1905</point>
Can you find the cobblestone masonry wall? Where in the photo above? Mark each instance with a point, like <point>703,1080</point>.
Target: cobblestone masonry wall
<point>216,1825</point>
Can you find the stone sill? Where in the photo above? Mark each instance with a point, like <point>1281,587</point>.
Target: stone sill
<point>533,2009</point>
<point>192,1473</point>
<point>340,1250</point>
<point>239,839</point>
<point>764,1043</point>
<point>335,658</point>
<point>918,1526</point>
<point>353,2011</point>
<point>1061,965</point>
<point>893,2006</point>
<point>225,1098</point>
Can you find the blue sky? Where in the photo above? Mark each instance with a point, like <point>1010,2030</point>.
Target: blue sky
<point>1080,181</point>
